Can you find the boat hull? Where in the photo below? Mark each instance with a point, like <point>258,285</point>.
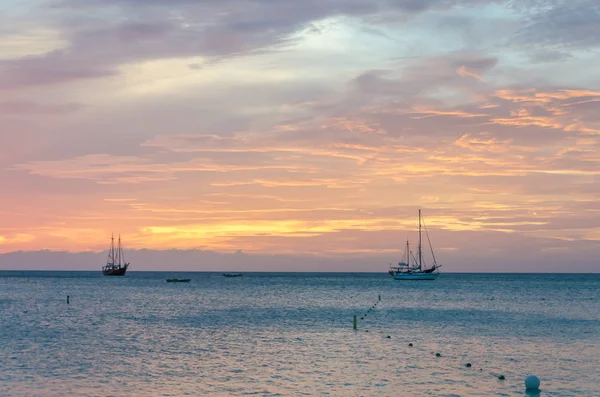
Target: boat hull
<point>115,272</point>
<point>415,276</point>
<point>179,280</point>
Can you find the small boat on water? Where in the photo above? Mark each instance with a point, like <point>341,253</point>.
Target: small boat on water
<point>115,264</point>
<point>232,274</point>
<point>417,270</point>
<point>178,280</point>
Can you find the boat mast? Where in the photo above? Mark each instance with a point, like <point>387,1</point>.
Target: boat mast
<point>119,252</point>
<point>112,249</point>
<point>123,256</point>
<point>430,246</point>
<point>420,254</point>
<point>407,256</point>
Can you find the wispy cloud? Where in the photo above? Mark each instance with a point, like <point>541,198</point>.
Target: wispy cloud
<point>15,107</point>
<point>300,127</point>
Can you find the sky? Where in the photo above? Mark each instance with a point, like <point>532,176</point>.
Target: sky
<point>304,135</point>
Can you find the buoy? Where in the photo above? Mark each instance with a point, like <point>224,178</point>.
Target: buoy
<point>67,299</point>
<point>532,382</point>
<point>468,365</point>
<point>410,345</point>
<point>438,355</point>
<point>501,377</point>
<point>389,337</point>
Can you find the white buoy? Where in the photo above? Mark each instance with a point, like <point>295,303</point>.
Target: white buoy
<point>532,382</point>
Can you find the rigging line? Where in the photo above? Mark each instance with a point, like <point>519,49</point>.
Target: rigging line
<point>404,253</point>
<point>413,256</point>
<point>429,241</point>
<point>123,255</point>
<point>111,253</point>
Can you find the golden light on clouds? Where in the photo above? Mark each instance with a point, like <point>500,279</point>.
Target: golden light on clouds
<point>316,131</point>
<point>31,42</point>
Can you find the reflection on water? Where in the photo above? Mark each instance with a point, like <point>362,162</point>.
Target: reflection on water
<point>537,392</point>
<point>291,335</point>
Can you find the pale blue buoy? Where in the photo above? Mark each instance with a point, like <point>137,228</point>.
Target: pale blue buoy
<point>532,382</point>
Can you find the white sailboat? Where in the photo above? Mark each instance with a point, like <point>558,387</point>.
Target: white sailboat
<point>417,270</point>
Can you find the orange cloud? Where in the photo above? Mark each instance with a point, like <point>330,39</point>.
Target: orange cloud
<point>466,72</point>
<point>483,142</point>
<point>532,95</point>
<point>354,125</point>
<point>17,238</point>
<point>103,168</point>
<point>526,121</point>
<point>454,113</point>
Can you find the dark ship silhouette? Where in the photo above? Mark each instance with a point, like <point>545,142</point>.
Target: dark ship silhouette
<point>115,265</point>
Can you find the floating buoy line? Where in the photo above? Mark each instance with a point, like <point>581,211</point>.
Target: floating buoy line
<point>532,383</point>
<point>355,321</point>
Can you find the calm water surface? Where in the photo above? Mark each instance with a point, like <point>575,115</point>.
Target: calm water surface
<point>269,334</point>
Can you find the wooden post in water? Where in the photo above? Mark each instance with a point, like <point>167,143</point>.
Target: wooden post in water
<point>354,322</point>
<point>67,299</point>
<point>380,297</point>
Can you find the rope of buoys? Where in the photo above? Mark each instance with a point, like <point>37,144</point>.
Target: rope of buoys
<point>354,322</point>
<point>532,382</point>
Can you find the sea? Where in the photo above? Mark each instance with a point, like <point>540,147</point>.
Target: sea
<point>291,334</point>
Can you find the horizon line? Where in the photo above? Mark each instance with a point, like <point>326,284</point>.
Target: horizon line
<point>279,271</point>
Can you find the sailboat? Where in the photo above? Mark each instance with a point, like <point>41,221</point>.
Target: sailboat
<point>232,274</point>
<point>115,264</point>
<point>416,270</point>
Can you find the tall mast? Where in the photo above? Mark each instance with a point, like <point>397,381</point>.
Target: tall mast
<point>119,252</point>
<point>407,255</point>
<point>112,248</point>
<point>420,255</point>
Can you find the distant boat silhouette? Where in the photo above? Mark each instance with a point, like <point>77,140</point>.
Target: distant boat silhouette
<point>232,274</point>
<point>178,280</point>
<point>416,270</point>
<point>115,264</point>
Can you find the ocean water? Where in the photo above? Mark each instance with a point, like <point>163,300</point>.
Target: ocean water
<point>269,334</point>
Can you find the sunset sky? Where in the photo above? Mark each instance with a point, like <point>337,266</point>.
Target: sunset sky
<point>304,128</point>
